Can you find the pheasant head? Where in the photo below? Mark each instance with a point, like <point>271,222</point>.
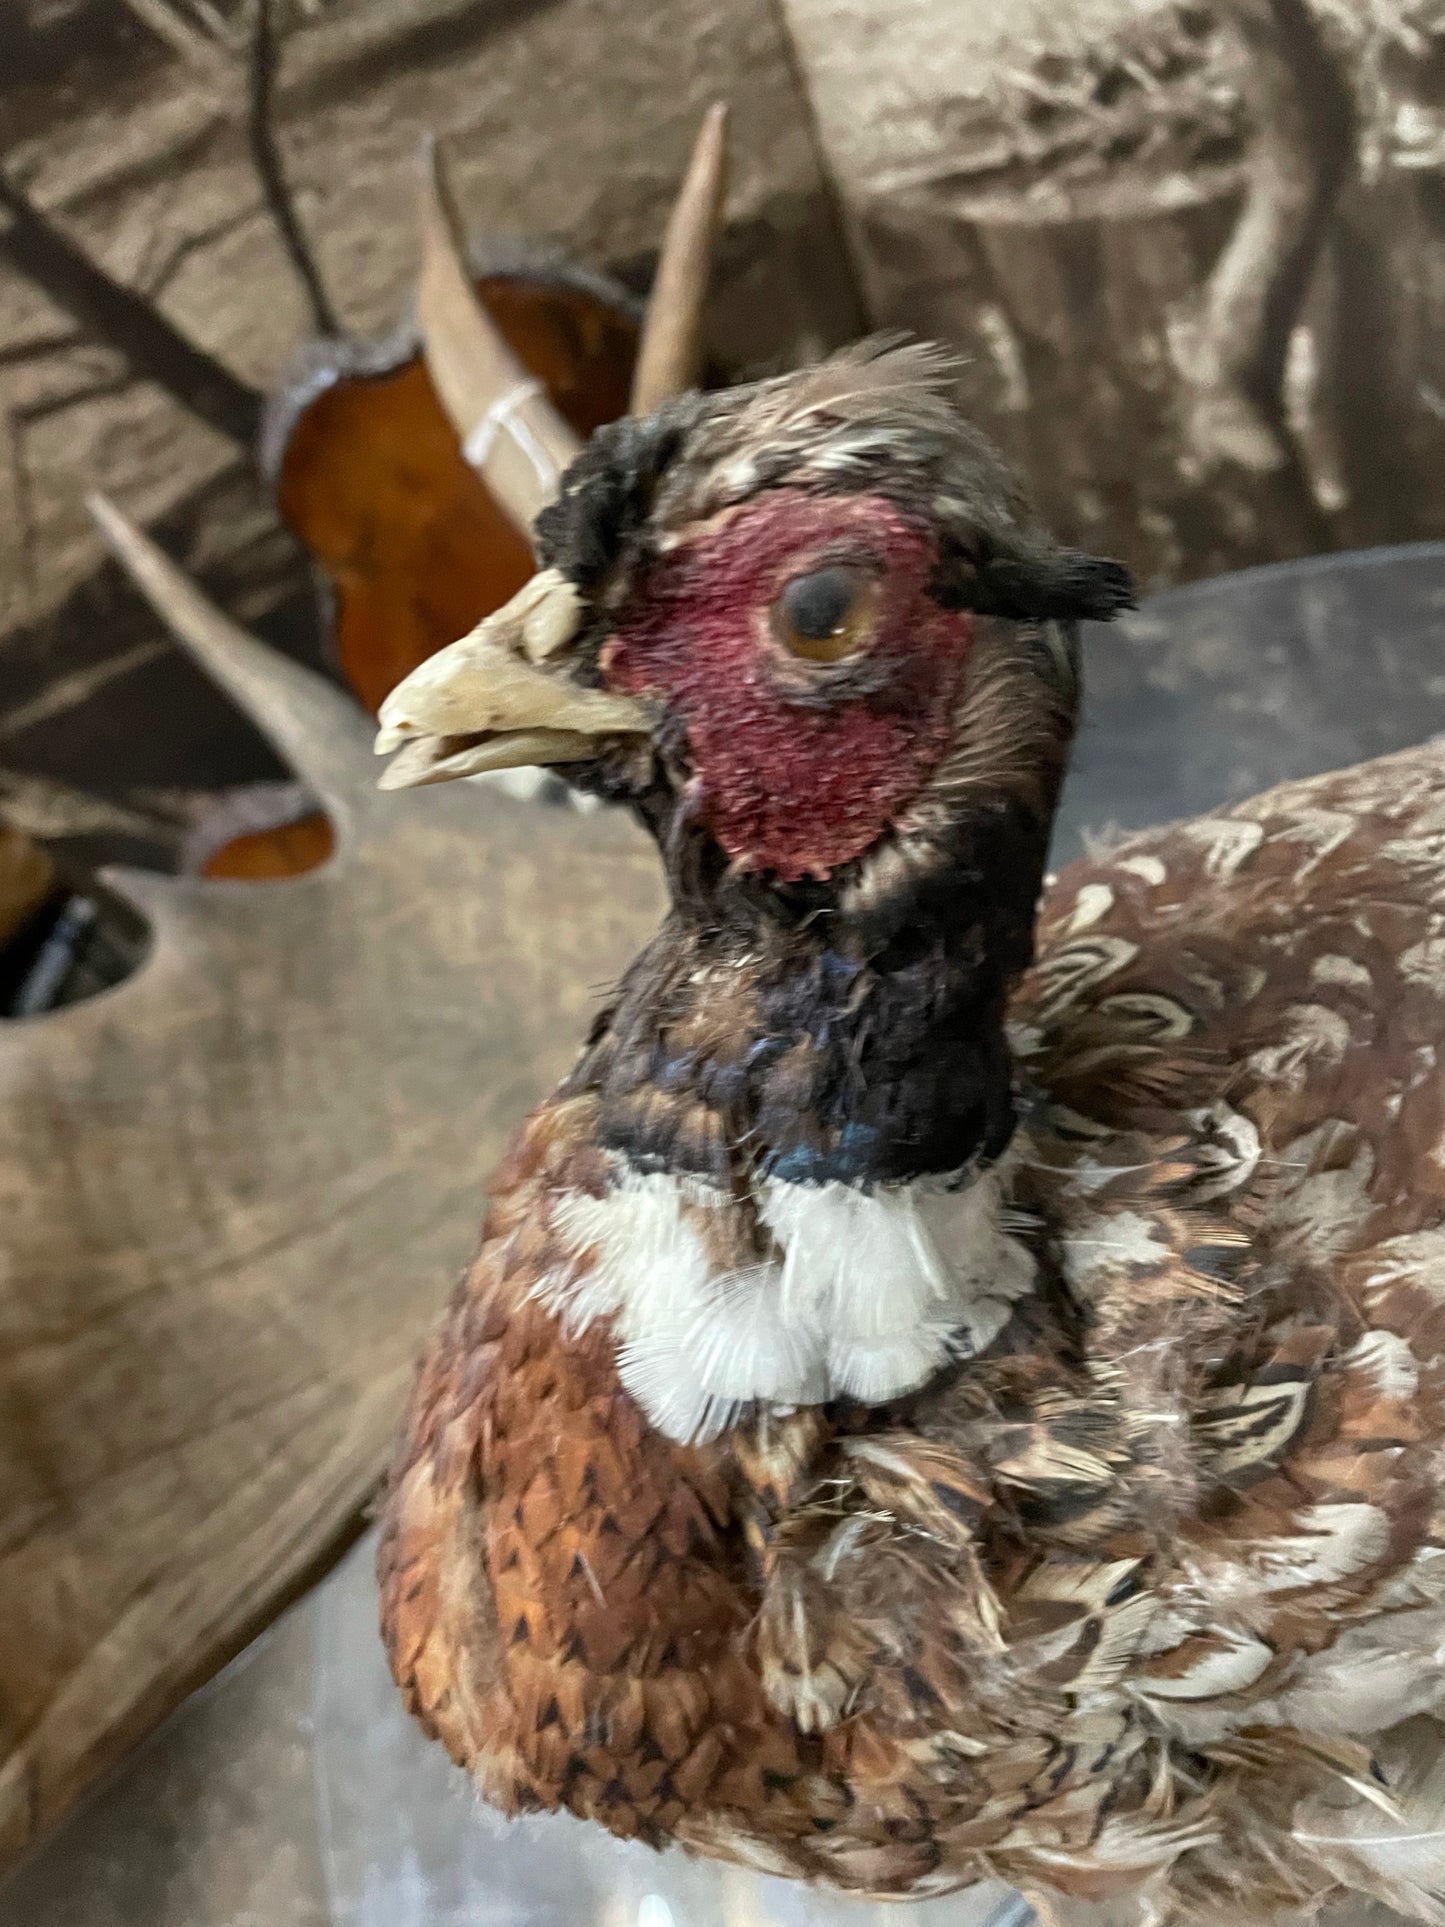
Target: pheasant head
<point>811,633</point>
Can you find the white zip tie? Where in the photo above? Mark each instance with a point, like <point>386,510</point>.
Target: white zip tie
<point>502,414</point>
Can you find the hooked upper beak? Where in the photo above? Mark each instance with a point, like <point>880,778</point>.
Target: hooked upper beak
<point>501,698</point>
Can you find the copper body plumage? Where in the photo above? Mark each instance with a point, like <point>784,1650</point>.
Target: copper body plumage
<point>922,1411</point>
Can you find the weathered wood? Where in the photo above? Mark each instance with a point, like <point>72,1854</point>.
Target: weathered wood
<point>233,1190</point>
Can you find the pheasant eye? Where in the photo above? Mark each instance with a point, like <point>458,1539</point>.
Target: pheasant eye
<point>827,614</point>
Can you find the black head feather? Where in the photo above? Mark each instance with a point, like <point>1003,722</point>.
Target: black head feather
<point>609,493</point>
<point>1052,585</point>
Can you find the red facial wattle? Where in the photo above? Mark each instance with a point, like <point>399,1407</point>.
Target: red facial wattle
<point>796,774</point>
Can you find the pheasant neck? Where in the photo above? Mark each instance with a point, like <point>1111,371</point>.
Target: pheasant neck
<point>749,1050</point>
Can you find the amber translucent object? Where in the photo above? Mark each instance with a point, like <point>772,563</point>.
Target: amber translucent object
<point>374,483</point>
<point>284,852</point>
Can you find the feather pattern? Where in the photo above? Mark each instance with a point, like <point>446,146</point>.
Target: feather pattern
<point>1127,1641</point>
<point>803,1476</point>
<point>1394,1850</point>
<point>839,1292</point>
<point>873,378</point>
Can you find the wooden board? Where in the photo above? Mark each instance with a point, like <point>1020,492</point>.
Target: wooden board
<point>234,1191</point>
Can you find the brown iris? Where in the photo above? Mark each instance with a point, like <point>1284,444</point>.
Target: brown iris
<point>827,614</point>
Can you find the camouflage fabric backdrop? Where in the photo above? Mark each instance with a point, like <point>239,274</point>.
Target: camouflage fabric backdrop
<point>1193,256</point>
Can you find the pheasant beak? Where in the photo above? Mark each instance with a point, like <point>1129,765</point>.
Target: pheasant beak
<point>501,698</point>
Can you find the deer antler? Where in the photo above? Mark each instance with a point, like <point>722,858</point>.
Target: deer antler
<point>671,348</point>
<point>230,1187</point>
<point>509,430</point>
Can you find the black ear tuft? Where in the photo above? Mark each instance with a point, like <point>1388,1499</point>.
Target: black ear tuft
<point>1058,585</point>
<point>607,494</point>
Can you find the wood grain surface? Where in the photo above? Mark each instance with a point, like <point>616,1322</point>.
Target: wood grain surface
<point>233,1189</point>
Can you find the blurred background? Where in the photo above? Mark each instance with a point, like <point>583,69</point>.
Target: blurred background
<point>1191,257</point>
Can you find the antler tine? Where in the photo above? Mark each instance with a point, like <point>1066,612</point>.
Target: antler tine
<point>668,359</point>
<point>324,737</point>
<point>510,432</point>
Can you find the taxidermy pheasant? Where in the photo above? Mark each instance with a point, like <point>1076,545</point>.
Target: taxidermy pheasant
<point>937,1399</point>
